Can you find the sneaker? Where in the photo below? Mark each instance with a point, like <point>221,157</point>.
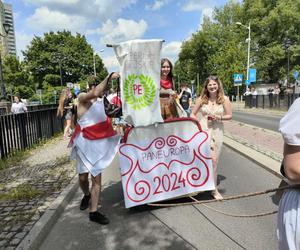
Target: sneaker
<point>84,204</point>
<point>99,218</point>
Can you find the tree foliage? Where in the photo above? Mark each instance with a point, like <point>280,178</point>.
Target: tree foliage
<point>220,46</point>
<point>50,62</point>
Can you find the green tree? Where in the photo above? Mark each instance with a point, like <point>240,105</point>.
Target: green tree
<point>16,78</point>
<point>58,58</point>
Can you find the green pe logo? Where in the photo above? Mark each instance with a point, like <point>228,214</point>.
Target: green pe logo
<point>139,94</point>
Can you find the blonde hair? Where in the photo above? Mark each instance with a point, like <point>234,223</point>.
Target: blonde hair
<point>205,94</point>
<point>62,97</point>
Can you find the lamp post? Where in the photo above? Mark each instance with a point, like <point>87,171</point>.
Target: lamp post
<point>249,41</point>
<point>287,44</point>
<point>6,28</point>
<point>94,60</point>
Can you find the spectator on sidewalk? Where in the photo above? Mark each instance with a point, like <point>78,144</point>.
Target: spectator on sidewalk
<point>18,106</point>
<point>288,228</point>
<point>271,93</point>
<point>253,97</point>
<point>276,93</point>
<point>214,108</point>
<point>94,145</point>
<point>185,99</point>
<point>65,110</point>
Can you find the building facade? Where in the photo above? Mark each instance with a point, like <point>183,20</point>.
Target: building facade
<point>8,43</point>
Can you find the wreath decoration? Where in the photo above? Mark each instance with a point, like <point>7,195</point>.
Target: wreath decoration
<point>149,91</point>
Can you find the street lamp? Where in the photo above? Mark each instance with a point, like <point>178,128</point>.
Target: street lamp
<point>94,59</point>
<point>6,28</point>
<point>287,44</point>
<point>248,40</point>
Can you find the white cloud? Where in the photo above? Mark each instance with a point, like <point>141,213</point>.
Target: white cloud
<point>43,19</point>
<point>22,41</point>
<point>171,50</point>
<point>156,5</point>
<point>205,7</point>
<point>42,2</point>
<point>90,9</point>
<point>111,63</point>
<point>123,30</point>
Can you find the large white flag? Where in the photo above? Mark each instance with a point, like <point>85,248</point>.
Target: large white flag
<point>140,81</point>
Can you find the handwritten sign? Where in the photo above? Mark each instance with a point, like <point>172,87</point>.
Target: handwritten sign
<point>164,161</point>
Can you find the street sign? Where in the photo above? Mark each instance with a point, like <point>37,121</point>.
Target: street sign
<point>69,85</point>
<point>296,74</point>
<point>252,75</point>
<point>247,82</point>
<point>237,79</point>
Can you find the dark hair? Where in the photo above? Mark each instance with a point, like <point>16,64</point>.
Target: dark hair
<point>163,60</point>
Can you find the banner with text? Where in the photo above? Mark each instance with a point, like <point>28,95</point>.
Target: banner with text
<point>164,161</point>
<point>140,81</point>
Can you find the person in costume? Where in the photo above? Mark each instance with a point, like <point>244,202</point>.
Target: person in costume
<point>214,108</point>
<point>288,223</point>
<point>166,93</point>
<point>94,145</point>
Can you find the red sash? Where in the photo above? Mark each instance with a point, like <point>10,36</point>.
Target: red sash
<point>94,132</point>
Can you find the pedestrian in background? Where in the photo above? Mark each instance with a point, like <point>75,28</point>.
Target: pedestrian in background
<point>214,108</point>
<point>185,99</point>
<point>167,94</point>
<point>276,93</point>
<point>64,110</point>
<point>253,97</point>
<point>271,95</point>
<point>288,227</point>
<point>18,106</point>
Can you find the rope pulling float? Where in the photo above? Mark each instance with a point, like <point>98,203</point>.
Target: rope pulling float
<point>234,197</point>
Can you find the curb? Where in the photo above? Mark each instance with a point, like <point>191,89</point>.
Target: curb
<point>43,226</point>
<point>260,159</point>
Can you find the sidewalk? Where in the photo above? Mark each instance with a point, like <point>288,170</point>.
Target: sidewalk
<point>260,145</point>
<point>27,190</point>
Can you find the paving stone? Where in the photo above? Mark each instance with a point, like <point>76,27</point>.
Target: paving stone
<point>3,235</point>
<point>10,248</point>
<point>20,235</point>
<point>2,243</point>
<point>8,209</point>
<point>22,203</point>
<point>10,235</point>
<point>15,241</point>
<point>28,207</point>
<point>15,228</point>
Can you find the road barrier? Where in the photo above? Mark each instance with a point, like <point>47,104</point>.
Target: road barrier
<point>280,102</point>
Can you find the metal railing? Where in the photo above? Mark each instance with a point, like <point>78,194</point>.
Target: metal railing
<point>6,109</point>
<point>280,102</point>
<point>22,131</point>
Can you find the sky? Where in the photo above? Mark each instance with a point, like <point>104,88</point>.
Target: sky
<point>112,21</point>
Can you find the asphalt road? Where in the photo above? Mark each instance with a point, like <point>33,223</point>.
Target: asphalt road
<point>180,227</point>
<point>259,120</point>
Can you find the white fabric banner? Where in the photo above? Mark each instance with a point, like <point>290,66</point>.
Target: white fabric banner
<point>140,81</point>
<point>164,161</point>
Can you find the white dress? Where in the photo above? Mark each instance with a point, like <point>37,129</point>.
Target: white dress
<point>215,129</point>
<point>288,227</point>
<point>94,156</point>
